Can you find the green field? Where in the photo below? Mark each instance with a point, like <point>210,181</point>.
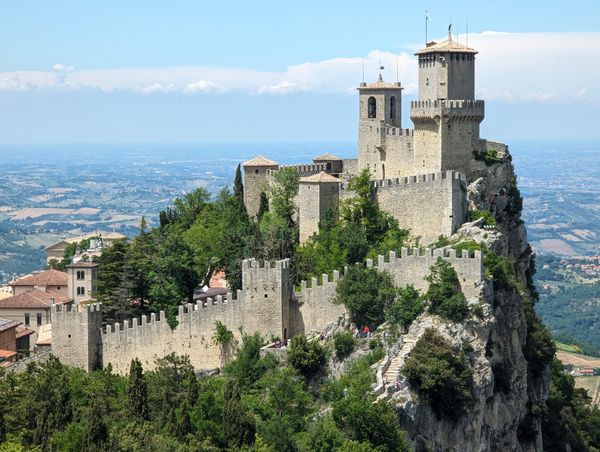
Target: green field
<point>567,347</point>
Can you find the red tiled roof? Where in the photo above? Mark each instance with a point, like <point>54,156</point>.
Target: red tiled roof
<point>21,332</point>
<point>45,278</point>
<point>6,353</point>
<point>6,324</point>
<point>35,298</point>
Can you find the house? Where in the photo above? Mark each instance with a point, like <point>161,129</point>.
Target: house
<point>12,340</point>
<point>48,280</point>
<point>56,251</point>
<point>32,309</point>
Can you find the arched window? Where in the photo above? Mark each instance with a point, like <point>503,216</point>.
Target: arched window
<point>393,107</point>
<point>372,107</point>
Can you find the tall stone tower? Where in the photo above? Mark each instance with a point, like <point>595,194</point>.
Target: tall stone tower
<point>81,280</point>
<point>316,195</point>
<point>380,115</point>
<point>255,181</point>
<point>446,116</point>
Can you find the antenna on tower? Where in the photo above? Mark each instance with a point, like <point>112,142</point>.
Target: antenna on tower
<point>363,68</point>
<point>397,68</point>
<point>381,68</point>
<point>467,31</point>
<point>427,19</point>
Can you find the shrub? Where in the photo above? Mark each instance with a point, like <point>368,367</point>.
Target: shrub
<point>444,295</point>
<point>407,307</point>
<point>489,156</point>
<point>366,293</point>
<point>438,375</point>
<point>488,218</point>
<point>308,358</point>
<point>343,343</point>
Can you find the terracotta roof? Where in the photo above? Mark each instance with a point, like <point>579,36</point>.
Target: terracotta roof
<point>320,177</point>
<point>380,84</point>
<point>260,161</point>
<point>6,353</point>
<point>446,46</point>
<point>21,332</point>
<point>45,278</point>
<point>6,324</point>
<point>83,264</point>
<point>35,298</point>
<point>327,156</point>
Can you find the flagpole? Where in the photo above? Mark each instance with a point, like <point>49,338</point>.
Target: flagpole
<point>426,27</point>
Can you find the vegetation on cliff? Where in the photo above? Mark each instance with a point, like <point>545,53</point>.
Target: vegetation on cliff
<point>256,404</point>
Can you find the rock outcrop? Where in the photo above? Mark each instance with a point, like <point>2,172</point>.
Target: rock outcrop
<point>503,391</point>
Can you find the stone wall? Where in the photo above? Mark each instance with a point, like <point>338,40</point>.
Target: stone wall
<point>443,194</point>
<point>76,335</point>
<point>387,151</point>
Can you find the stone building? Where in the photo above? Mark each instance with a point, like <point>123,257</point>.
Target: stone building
<point>411,168</point>
<point>419,177</point>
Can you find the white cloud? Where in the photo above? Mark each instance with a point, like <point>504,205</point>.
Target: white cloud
<point>203,86</point>
<point>511,67</point>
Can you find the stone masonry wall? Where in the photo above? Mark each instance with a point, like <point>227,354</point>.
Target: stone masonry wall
<point>444,195</point>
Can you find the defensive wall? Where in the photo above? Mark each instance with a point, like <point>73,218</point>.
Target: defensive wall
<point>267,304</point>
<point>386,150</point>
<point>429,205</point>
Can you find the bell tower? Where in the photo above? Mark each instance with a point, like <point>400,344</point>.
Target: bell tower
<point>380,110</point>
<point>446,116</point>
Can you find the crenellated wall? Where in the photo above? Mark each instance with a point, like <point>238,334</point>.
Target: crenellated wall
<point>267,304</point>
<point>444,194</point>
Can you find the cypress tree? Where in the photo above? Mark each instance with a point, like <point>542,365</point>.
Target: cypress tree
<point>137,391</point>
<point>263,206</point>
<point>238,427</point>
<point>96,431</point>
<point>238,186</point>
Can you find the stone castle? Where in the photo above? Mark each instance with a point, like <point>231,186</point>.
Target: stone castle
<point>420,177</point>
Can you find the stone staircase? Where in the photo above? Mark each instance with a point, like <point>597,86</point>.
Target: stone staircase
<point>392,373</point>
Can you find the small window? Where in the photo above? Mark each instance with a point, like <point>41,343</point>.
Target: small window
<point>39,318</point>
<point>372,107</point>
<point>26,319</point>
<point>255,171</point>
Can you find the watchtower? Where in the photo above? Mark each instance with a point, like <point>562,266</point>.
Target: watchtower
<point>380,110</point>
<point>446,116</point>
<point>81,280</point>
<point>316,195</point>
<point>255,181</point>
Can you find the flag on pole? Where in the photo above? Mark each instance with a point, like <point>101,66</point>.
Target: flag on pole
<point>427,16</point>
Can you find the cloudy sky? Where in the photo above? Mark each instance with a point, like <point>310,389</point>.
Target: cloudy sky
<point>199,71</point>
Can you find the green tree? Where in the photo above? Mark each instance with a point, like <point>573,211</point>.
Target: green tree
<point>366,293</point>
<point>137,391</point>
<point>307,357</point>
<point>407,307</point>
<point>190,206</point>
<point>343,344</point>
<point>263,207</point>
<point>438,375</point>
<point>444,293</point>
<point>238,426</point>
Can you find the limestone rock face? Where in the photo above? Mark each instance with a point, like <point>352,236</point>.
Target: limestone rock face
<point>502,390</point>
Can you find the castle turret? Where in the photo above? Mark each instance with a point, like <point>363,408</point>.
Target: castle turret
<point>316,195</point>
<point>446,116</point>
<point>255,181</point>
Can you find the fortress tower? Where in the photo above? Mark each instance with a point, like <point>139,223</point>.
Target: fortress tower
<point>255,181</point>
<point>81,280</point>
<point>317,194</point>
<point>379,130</point>
<point>446,116</point>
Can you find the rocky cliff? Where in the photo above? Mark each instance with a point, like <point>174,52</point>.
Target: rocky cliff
<point>503,347</point>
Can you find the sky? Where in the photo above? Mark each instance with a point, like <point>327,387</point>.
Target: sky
<point>280,71</point>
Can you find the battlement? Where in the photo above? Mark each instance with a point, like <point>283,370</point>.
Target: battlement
<point>419,179</point>
<point>465,110</point>
<point>304,170</point>
<point>248,264</point>
<point>70,309</point>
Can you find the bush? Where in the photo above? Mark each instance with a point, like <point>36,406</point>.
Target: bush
<point>444,295</point>
<point>308,358</point>
<point>343,343</point>
<point>366,293</point>
<point>438,375</point>
<point>407,307</point>
<point>489,156</point>
<point>488,218</point>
